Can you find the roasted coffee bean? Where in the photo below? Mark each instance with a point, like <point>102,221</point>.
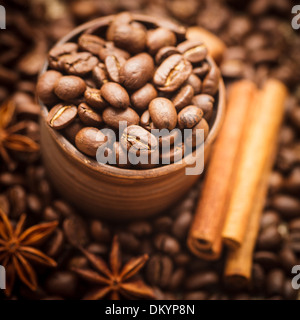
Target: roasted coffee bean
<point>266,259</point>
<point>113,116</point>
<point>94,99</point>
<point>97,248</point>
<point>75,231</point>
<point>140,228</point>
<point>197,295</point>
<point>172,73</point>
<point>166,244</point>
<point>202,69</point>
<point>113,66</point>
<point>90,43</point>
<point>115,95</point>
<point>193,51</point>
<point>287,258</point>
<point>183,97</point>
<point>89,139</point>
<point>163,224</point>
<point>275,282</point>
<point>72,129</point>
<point>164,53</point>
<point>206,103</point>
<point>69,87</point>
<point>145,120</point>
<point>50,214</point>
<point>139,141</point>
<point>195,82</point>
<point>55,244</point>
<point>189,116</point>
<point>100,232</point>
<point>143,96</point>
<point>110,50</point>
<point>34,203</point>
<point>78,64</point>
<point>191,139</point>
<point>17,199</point>
<point>100,75</point>
<point>268,219</point>
<point>202,280</point>
<point>292,182</point>
<point>170,139</point>
<point>121,156</point>
<point>288,206</point>
<point>182,224</point>
<point>176,279</point>
<point>59,52</point>
<point>258,277</point>
<point>121,18</point>
<point>159,270</point>
<point>275,182</point>
<point>137,71</point>
<point>289,293</point>
<point>175,154</point>
<point>78,262</point>
<point>61,115</point>
<point>163,113</point>
<point>211,81</point>
<point>158,38</point>
<point>4,203</point>
<point>88,116</point>
<point>295,117</point>
<point>63,208</point>
<point>294,239</point>
<point>62,283</point>
<point>269,239</point>
<point>45,86</point>
<point>286,135</point>
<point>294,225</point>
<point>128,36</point>
<point>128,241</point>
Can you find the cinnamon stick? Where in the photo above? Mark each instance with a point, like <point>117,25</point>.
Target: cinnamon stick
<point>215,45</point>
<point>239,261</point>
<point>254,156</point>
<point>204,238</point>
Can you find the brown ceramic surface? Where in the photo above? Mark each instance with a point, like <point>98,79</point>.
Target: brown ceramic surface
<point>110,192</point>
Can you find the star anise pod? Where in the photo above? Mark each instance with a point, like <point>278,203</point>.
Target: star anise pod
<point>17,250</point>
<point>10,137</point>
<point>115,281</point>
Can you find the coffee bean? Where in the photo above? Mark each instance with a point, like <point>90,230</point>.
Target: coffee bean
<point>258,277</point>
<point>78,262</point>
<point>100,232</point>
<point>266,259</point>
<point>172,73</point>
<point>163,113</point>
<point>175,154</point>
<point>34,203</point>
<point>164,53</point>
<point>129,36</point>
<point>211,81</point>
<point>275,182</point>
<point>195,82</point>
<point>62,283</point>
<point>17,199</point>
<point>50,214</point>
<point>115,95</point>
<point>288,206</point>
<point>78,64</point>
<point>89,139</point>
<point>113,116</point>
<point>201,280</point>
<point>100,75</point>
<point>170,139</point>
<point>121,18</point>
<point>287,258</point>
<point>4,203</point>
<point>183,97</point>
<point>176,279</point>
<point>63,208</point>
<point>139,141</point>
<point>121,154</point>
<point>159,270</point>
<point>110,50</point>
<point>137,71</point>
<point>143,96</point>
<point>72,129</point>
<point>268,219</point>
<point>113,66</point>
<point>69,87</point>
<point>59,52</point>
<point>292,182</point>
<point>192,140</point>
<point>294,239</point>
<point>45,86</point>
<point>61,116</point>
<point>286,135</point>
<point>97,248</point>
<point>75,231</point>
<point>128,241</point>
<point>269,239</point>
<point>196,295</point>
<point>140,228</point>
<point>55,244</point>
<point>167,244</point>
<point>295,117</point>
<point>158,38</point>
<point>275,282</point>
<point>163,224</point>
<point>206,103</point>
<point>189,116</point>
<point>146,121</point>
<point>90,43</point>
<point>202,69</point>
<point>94,99</point>
<point>193,51</point>
<point>88,116</point>
<point>294,225</point>
<point>181,224</point>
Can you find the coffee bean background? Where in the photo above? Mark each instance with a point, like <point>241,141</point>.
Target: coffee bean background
<point>261,43</point>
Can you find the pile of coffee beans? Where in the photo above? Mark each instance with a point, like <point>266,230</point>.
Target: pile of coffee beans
<point>151,78</point>
<point>250,29</point>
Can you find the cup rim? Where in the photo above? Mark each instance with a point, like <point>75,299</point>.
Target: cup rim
<point>110,170</point>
